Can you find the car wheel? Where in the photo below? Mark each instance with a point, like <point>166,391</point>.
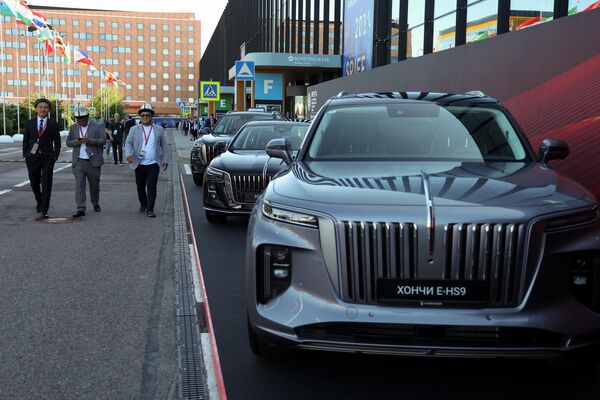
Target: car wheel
<point>198,179</point>
<point>215,218</point>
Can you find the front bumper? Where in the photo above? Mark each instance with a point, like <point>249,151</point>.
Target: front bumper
<point>197,165</point>
<point>548,322</point>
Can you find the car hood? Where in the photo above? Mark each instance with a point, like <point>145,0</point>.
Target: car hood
<point>212,138</point>
<point>247,162</point>
<point>450,184</point>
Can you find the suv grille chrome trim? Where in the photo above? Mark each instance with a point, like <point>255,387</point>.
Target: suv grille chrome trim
<point>241,184</point>
<point>488,252</point>
<point>211,152</point>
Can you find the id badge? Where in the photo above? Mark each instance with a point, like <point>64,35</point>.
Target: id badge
<point>115,132</point>
<point>141,154</point>
<point>34,148</point>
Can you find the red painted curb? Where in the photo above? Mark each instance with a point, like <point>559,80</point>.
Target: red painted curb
<point>211,332</point>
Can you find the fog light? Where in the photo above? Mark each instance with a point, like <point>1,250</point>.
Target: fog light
<point>580,280</point>
<point>211,188</point>
<point>274,272</point>
<point>281,273</point>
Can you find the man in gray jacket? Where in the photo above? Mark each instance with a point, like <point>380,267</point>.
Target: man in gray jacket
<point>145,149</point>
<point>87,141</point>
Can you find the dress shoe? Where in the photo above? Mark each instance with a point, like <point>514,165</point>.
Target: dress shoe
<point>44,215</point>
<point>142,209</point>
<point>79,214</point>
<point>97,208</point>
<point>150,213</point>
<point>38,207</point>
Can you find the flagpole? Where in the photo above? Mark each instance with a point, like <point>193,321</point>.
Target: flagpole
<point>28,77</point>
<point>2,75</point>
<point>55,84</point>
<point>18,83</point>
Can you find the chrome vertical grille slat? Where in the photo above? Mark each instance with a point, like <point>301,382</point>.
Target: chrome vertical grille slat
<point>247,183</point>
<point>487,252</point>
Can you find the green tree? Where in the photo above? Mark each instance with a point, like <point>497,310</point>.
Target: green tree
<point>111,95</point>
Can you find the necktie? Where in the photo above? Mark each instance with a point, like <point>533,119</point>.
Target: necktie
<point>41,125</point>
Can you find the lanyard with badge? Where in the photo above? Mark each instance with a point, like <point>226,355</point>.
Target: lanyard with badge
<point>146,139</point>
<point>83,135</point>
<point>35,146</point>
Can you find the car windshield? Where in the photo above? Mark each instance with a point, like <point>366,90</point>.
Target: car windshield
<point>256,137</point>
<point>416,131</point>
<point>229,124</point>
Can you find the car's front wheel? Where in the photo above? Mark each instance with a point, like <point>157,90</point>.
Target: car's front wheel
<point>215,218</point>
<point>198,178</point>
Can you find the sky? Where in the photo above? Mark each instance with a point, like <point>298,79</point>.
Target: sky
<point>207,11</point>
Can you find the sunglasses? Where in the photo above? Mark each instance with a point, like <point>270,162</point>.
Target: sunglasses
<point>145,115</point>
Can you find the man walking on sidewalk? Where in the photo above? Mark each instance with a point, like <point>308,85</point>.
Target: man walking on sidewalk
<point>87,141</point>
<point>116,129</point>
<point>41,148</point>
<point>146,147</point>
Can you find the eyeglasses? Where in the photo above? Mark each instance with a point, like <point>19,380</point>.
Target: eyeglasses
<point>145,115</point>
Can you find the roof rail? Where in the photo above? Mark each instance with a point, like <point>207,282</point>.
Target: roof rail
<point>342,94</point>
<point>476,93</point>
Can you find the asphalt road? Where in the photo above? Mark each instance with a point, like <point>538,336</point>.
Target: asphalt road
<point>311,375</point>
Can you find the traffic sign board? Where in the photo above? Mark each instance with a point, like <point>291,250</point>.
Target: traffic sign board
<point>71,108</point>
<point>92,110</point>
<point>244,71</point>
<point>181,104</point>
<point>210,91</point>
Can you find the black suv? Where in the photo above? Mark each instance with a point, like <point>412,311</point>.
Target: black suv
<point>204,149</point>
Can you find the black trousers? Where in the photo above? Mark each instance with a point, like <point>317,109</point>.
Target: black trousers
<point>146,177</point>
<point>118,146</point>
<point>40,177</point>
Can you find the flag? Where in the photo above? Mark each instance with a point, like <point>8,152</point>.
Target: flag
<point>592,6</point>
<point>49,48</point>
<point>17,9</point>
<point>530,22</point>
<point>82,58</point>
<point>110,78</point>
<point>61,48</point>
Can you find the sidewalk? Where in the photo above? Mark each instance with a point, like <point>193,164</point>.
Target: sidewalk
<point>183,144</point>
<point>87,307</point>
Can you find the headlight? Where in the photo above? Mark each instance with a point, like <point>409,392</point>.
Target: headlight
<point>215,175</point>
<point>198,146</point>
<point>292,217</point>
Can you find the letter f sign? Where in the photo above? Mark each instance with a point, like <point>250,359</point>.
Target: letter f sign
<point>268,85</point>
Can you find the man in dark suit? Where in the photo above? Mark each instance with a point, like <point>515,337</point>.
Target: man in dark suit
<point>41,148</point>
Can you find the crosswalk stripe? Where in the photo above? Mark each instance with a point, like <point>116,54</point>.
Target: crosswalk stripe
<point>22,184</point>
<point>4,191</point>
<point>187,168</point>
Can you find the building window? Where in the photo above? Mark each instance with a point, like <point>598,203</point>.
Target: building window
<point>477,15</point>
<point>177,64</point>
<point>140,50</point>
<point>177,52</point>
<point>165,75</point>
<point>127,25</point>
<point>523,14</point>
<point>190,28</point>
<point>191,64</point>
<point>165,27</point>
<point>191,100</point>
<point>165,99</point>
<point>101,24</point>
<point>140,62</point>
<point>190,76</point>
<point>153,75</point>
<point>152,27</point>
<point>444,26</point>
<point>177,27</point>
<point>75,22</point>
<point>88,24</point>
<point>165,39</point>
<point>128,73</point>
<point>190,88</point>
<point>153,39</point>
<point>127,38</point>
<point>165,87</point>
<point>190,40</point>
<point>140,74</point>
<point>178,88</point>
<point>152,87</point>
<point>128,86</point>
<point>141,86</point>
<point>153,63</point>
<point>177,76</point>
<point>165,63</point>
<point>128,98</point>
<point>165,51</point>
<point>114,25</point>
<point>152,51</point>
<point>416,29</point>
<point>140,26</point>
<point>177,39</point>
<point>190,52</point>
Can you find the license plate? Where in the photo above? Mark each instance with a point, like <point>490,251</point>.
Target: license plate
<point>250,197</point>
<point>394,290</point>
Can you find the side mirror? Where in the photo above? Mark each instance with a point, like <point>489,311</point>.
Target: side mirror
<point>553,149</point>
<point>220,147</point>
<point>280,148</point>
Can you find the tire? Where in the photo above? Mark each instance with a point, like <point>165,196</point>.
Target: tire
<point>215,218</point>
<point>198,179</point>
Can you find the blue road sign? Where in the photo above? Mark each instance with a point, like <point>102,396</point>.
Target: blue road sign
<point>181,104</point>
<point>244,71</point>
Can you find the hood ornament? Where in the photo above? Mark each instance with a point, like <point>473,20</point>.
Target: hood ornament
<point>430,213</point>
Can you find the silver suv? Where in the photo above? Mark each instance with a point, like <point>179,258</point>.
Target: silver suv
<point>423,224</point>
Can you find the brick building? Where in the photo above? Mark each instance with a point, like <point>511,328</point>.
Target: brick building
<point>155,54</point>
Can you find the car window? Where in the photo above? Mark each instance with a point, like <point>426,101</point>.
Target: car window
<point>257,137</point>
<point>230,124</point>
<point>421,131</point>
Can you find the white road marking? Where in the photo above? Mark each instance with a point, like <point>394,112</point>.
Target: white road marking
<point>61,168</point>
<point>197,291</point>
<point>69,151</point>
<point>9,149</point>
<point>4,191</point>
<point>187,168</point>
<point>211,379</point>
<point>12,152</point>
<point>22,184</point>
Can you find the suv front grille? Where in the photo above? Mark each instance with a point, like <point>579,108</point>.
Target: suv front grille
<point>246,187</point>
<point>484,252</point>
<point>211,152</point>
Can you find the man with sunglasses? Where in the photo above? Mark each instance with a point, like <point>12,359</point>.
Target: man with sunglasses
<point>87,141</point>
<point>145,149</point>
<point>41,148</point>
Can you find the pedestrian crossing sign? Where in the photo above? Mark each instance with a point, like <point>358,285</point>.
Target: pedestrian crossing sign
<point>92,110</point>
<point>210,91</point>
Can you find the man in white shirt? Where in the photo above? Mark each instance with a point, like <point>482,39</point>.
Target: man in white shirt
<point>87,141</point>
<point>145,149</point>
